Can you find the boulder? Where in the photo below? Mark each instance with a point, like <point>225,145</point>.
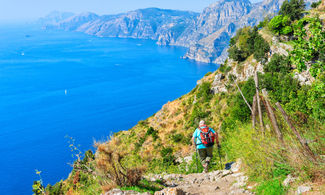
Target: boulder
<point>236,166</point>
<point>170,191</point>
<point>288,180</point>
<point>302,189</point>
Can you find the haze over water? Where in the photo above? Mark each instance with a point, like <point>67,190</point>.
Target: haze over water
<point>55,83</point>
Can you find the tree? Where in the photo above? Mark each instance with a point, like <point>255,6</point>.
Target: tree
<point>261,47</point>
<point>293,8</point>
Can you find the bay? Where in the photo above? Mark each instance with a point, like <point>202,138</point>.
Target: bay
<point>56,83</point>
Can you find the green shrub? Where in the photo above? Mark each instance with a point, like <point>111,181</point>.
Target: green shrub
<point>167,156</point>
<point>281,25</point>
<point>316,98</point>
<point>286,30</point>
<point>316,4</point>
<point>275,24</point>
<point>204,93</point>
<point>239,110</point>
<point>309,45</point>
<point>261,47</point>
<point>278,63</point>
<point>246,42</point>
<point>177,137</point>
<point>151,131</point>
<point>224,68</point>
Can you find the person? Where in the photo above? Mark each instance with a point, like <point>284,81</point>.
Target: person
<point>203,138</point>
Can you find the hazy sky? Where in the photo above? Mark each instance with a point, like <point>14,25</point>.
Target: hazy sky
<point>32,9</point>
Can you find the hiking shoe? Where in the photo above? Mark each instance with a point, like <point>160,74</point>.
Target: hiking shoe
<point>206,167</point>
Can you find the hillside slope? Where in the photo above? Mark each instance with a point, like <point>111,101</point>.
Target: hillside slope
<point>286,139</point>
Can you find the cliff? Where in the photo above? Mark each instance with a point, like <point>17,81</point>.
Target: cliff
<point>152,23</point>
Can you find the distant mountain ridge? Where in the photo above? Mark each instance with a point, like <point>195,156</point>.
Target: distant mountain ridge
<point>207,35</point>
<point>150,23</point>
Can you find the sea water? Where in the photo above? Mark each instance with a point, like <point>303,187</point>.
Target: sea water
<point>55,83</point>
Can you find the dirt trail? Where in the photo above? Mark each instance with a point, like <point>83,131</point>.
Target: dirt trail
<point>217,182</point>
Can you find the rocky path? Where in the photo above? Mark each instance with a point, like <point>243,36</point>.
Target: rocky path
<point>217,182</point>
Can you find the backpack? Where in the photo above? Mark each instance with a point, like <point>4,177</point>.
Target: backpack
<point>207,136</point>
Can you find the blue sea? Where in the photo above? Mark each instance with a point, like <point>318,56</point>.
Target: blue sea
<point>56,83</point>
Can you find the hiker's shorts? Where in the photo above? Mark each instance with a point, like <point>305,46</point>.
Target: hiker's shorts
<point>205,154</point>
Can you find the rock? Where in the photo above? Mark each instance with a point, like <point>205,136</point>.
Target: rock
<point>240,182</point>
<point>226,172</point>
<point>236,166</point>
<point>237,191</point>
<point>302,189</point>
<point>288,180</point>
<point>218,78</point>
<point>217,188</point>
<point>115,192</point>
<point>170,191</point>
<point>304,77</point>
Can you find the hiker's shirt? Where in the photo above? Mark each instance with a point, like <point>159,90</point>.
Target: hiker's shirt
<point>197,138</point>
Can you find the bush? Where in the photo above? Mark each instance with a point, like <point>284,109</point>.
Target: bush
<point>204,93</point>
<point>246,42</point>
<point>281,25</point>
<point>239,110</point>
<point>261,47</point>
<point>167,156</point>
<point>151,131</point>
<point>224,68</point>
<point>111,167</point>
<point>278,63</point>
<point>316,4</point>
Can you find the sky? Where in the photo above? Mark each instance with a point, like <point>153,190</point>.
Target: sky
<point>33,9</point>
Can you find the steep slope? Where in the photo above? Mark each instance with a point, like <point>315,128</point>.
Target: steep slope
<point>151,23</point>
<point>275,164</point>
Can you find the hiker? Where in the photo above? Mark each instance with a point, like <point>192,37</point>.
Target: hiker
<point>203,139</point>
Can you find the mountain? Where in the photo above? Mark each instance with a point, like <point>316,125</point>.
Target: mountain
<point>54,17</point>
<point>152,23</point>
<point>207,35</point>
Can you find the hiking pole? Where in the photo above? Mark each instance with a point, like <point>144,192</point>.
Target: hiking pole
<point>219,148</point>
<point>197,166</point>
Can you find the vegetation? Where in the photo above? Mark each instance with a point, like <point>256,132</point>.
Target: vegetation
<point>246,42</point>
<point>293,8</point>
<point>156,144</point>
<point>316,4</point>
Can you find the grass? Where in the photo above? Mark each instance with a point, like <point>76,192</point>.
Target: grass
<point>145,186</point>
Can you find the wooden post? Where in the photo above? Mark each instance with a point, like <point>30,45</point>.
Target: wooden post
<point>272,116</point>
<point>259,104</point>
<point>301,139</point>
<point>249,106</point>
<point>254,112</point>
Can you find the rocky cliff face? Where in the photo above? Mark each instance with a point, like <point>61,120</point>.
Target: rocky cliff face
<point>152,23</point>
